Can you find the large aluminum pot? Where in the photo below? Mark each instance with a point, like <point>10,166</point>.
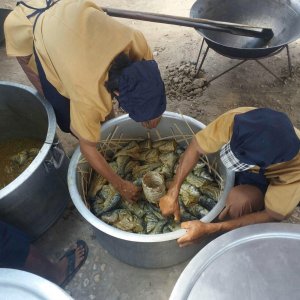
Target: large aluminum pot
<point>253,262</point>
<point>38,196</point>
<point>21,285</point>
<point>141,250</point>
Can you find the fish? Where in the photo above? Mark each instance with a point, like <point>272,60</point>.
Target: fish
<point>132,150</point>
<point>165,170</point>
<point>169,227</point>
<point>130,166</point>
<point>97,182</point>
<point>198,193</point>
<point>136,208</point>
<point>153,210</point>
<point>150,156</point>
<point>197,210</point>
<point>106,199</point>
<point>198,169</point>
<point>168,159</point>
<point>189,194</point>
<point>140,171</point>
<point>185,215</point>
<point>150,221</point>
<point>196,181</point>
<point>121,161</point>
<point>212,191</point>
<point>157,144</point>
<point>159,227</point>
<point>165,145</point>
<point>123,219</point>
<point>207,202</point>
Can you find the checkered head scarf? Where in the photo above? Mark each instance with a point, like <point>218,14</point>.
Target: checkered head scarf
<point>231,162</point>
<point>260,137</point>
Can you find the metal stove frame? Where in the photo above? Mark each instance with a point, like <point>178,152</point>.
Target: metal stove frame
<point>243,60</point>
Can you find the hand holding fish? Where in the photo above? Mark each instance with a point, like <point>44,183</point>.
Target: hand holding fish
<point>169,206</point>
<point>129,191</point>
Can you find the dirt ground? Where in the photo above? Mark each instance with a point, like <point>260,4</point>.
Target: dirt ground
<point>175,49</point>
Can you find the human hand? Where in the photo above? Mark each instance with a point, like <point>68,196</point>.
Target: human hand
<point>129,191</point>
<point>169,206</point>
<point>194,230</point>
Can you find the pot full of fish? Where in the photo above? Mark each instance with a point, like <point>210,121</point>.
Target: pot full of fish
<point>33,177</point>
<point>136,233</point>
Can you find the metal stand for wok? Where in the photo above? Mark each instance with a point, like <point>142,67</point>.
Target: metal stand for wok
<point>243,60</point>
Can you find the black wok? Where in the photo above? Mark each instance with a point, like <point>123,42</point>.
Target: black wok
<point>283,16</point>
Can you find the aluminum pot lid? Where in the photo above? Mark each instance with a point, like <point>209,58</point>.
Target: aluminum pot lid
<point>21,285</point>
<point>254,262</point>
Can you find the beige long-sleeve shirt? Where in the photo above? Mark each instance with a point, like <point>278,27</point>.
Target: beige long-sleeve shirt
<point>76,43</point>
<point>283,193</point>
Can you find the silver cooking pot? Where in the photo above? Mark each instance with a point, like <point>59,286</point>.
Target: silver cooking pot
<point>141,250</point>
<point>37,197</point>
<point>257,261</point>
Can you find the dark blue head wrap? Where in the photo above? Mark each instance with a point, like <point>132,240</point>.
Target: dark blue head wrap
<point>142,91</point>
<point>263,137</point>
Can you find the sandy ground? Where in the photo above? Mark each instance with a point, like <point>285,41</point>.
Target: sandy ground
<point>174,46</point>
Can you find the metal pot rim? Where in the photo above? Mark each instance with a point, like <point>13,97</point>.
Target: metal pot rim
<point>47,143</point>
<point>110,230</point>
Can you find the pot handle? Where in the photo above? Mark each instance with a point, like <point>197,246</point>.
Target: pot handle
<point>57,157</point>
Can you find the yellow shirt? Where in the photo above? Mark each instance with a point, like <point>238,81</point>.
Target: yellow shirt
<point>76,43</point>
<point>283,193</point>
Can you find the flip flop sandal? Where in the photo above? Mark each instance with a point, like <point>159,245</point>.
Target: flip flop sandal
<point>70,255</point>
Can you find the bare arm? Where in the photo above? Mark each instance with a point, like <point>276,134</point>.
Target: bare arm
<point>33,77</point>
<point>128,190</point>
<point>196,229</point>
<point>169,203</point>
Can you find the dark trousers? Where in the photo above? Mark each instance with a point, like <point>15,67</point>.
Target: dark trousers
<point>14,247</point>
<point>60,104</point>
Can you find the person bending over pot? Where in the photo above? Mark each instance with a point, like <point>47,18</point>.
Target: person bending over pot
<point>262,147</point>
<point>79,59</point>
